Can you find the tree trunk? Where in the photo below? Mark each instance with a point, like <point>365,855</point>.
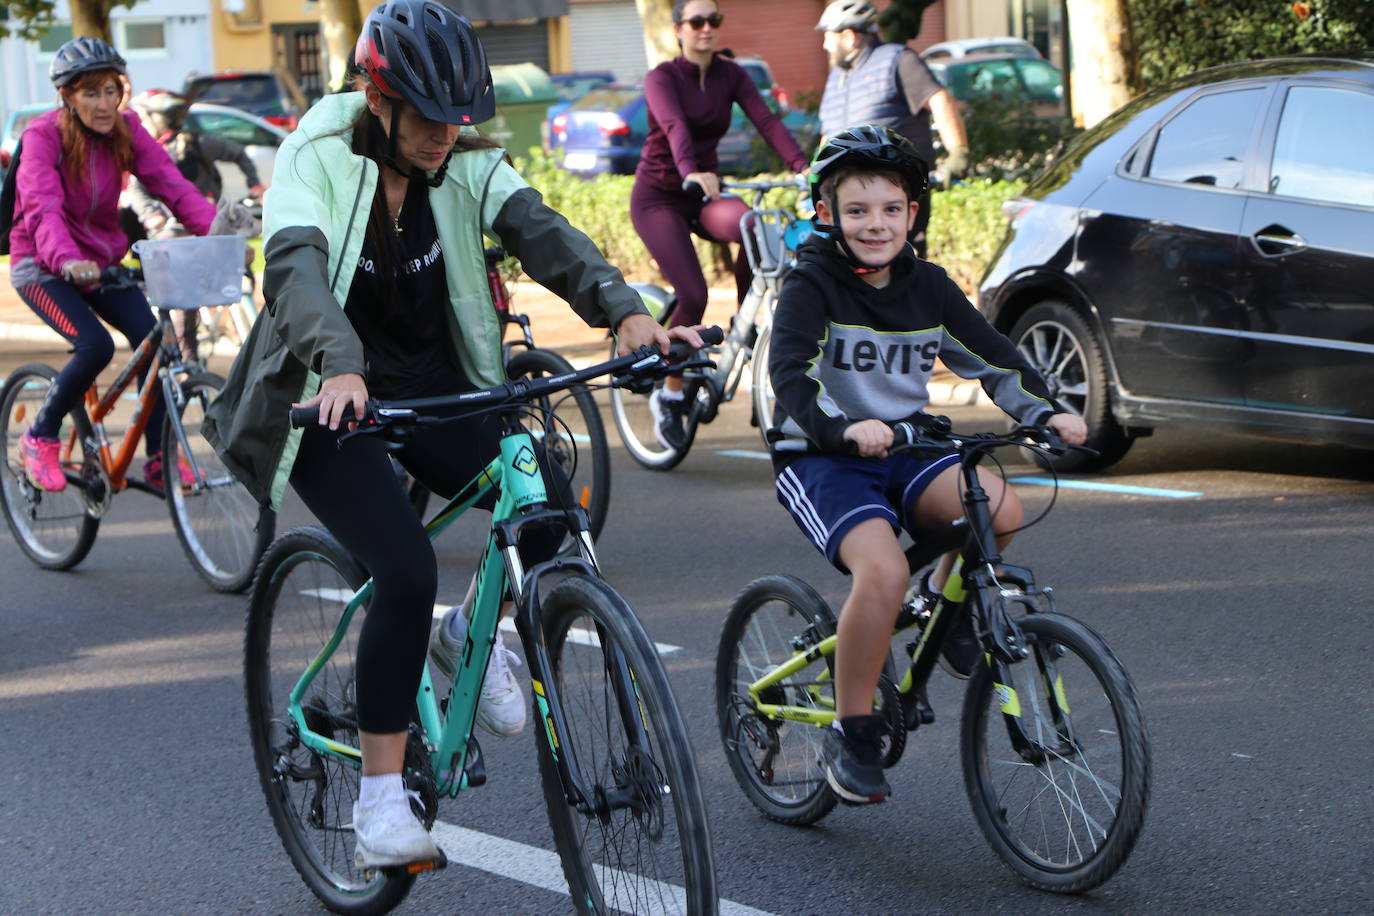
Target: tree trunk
<point>660,43</point>
<point>1104,64</point>
<point>340,23</point>
<point>90,19</point>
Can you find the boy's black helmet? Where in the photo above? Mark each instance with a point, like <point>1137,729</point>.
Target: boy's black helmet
<point>423,53</point>
<point>82,55</point>
<point>871,146</point>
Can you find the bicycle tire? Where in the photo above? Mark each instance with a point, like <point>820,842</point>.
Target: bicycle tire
<point>761,393</point>
<point>55,530</point>
<point>586,458</point>
<point>635,423</point>
<point>776,763</point>
<point>298,594</point>
<point>626,860</point>
<point>222,528</point>
<point>1058,783</point>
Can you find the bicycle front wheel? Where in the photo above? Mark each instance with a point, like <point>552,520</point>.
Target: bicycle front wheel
<point>648,848</point>
<point>775,761</point>
<point>1057,762</point>
<point>305,580</point>
<point>222,528</point>
<point>762,386</point>
<point>638,429</point>
<point>56,530</point>
<point>576,439</point>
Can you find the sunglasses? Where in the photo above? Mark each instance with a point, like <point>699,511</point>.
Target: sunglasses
<point>700,22</point>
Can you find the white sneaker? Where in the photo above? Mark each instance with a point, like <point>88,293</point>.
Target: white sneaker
<point>502,708</point>
<point>669,410</point>
<point>388,833</point>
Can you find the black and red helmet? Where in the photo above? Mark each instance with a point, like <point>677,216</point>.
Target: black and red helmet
<point>83,55</point>
<point>423,53</point>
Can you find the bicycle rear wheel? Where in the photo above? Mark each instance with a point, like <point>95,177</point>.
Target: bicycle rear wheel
<point>1057,763</point>
<point>576,440</point>
<point>55,530</point>
<point>222,528</point>
<point>775,762</point>
<point>304,582</point>
<point>650,852</point>
<point>635,423</point>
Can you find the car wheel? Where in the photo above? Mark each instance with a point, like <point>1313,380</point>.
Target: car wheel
<point>1063,348</point>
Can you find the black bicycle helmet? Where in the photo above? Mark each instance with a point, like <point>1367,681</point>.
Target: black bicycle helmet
<point>865,146</point>
<point>425,54</point>
<point>82,55</point>
<point>859,15</point>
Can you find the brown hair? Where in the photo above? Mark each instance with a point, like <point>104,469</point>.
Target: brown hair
<point>76,138</point>
<point>830,183</point>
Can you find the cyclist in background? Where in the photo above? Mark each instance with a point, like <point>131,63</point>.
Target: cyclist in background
<point>66,230</point>
<point>859,325</point>
<point>388,299</point>
<point>690,100</point>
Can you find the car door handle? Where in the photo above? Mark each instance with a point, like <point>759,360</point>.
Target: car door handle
<point>1276,241</point>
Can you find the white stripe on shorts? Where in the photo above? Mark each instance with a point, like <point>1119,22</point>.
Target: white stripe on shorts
<point>791,489</point>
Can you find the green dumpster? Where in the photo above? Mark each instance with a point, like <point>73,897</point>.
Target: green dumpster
<point>523,94</point>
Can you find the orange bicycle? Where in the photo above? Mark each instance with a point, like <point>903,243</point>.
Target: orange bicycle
<point>220,525</point>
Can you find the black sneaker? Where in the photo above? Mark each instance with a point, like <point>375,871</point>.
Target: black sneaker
<point>669,414</point>
<point>960,651</point>
<point>851,760</point>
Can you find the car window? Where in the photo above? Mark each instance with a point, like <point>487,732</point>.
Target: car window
<point>1207,142</point>
<point>575,87</point>
<point>1041,79</point>
<point>993,77</point>
<point>1322,151</point>
<point>22,121</point>
<point>256,93</point>
<point>240,130</point>
<point>759,74</point>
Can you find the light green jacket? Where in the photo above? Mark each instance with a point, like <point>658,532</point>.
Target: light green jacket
<point>315,214</point>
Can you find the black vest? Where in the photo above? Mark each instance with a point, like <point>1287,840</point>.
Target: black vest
<point>868,93</point>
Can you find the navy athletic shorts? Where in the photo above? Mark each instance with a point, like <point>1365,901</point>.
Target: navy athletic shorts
<point>828,495</point>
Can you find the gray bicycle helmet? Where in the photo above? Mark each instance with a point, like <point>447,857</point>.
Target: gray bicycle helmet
<point>859,15</point>
<point>82,55</point>
<point>423,53</point>
<point>172,107</point>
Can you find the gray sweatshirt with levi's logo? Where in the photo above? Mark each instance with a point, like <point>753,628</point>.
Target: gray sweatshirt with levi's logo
<point>844,351</point>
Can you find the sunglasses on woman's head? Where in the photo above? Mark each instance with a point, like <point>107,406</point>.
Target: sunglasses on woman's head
<point>700,22</point>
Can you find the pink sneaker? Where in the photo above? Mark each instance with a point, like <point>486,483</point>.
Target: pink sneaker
<point>41,462</point>
<point>152,472</point>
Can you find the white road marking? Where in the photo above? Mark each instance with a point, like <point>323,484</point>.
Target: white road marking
<point>744,453</point>
<point>542,868</point>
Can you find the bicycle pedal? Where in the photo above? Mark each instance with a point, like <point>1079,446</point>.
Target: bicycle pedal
<point>917,711</point>
<point>418,868</point>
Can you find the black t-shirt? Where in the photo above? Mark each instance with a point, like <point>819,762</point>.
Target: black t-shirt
<point>403,328</point>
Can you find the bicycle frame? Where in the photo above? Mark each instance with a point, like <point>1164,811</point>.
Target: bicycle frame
<point>521,500</point>
<point>158,348</point>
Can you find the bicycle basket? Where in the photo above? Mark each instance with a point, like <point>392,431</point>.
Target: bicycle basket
<point>191,272</point>
<point>766,235</point>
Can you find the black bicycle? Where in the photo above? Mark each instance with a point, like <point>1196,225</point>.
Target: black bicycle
<point>1055,752</point>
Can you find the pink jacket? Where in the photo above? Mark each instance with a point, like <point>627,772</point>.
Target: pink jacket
<point>57,220</point>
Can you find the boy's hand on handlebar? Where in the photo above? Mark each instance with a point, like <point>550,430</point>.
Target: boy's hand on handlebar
<point>1070,427</point>
<point>639,329</point>
<point>336,393</point>
<point>871,438</point>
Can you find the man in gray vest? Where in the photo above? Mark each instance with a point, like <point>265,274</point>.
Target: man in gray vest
<point>884,83</point>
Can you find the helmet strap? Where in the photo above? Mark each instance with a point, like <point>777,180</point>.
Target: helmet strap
<point>391,161</point>
<point>438,177</point>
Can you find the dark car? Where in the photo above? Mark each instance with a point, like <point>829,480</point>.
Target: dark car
<point>273,95</point>
<point>1206,254</point>
<point>604,131</point>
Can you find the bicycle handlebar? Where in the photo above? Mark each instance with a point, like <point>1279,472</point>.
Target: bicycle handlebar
<point>647,362</point>
<point>760,187</point>
<point>120,275</point>
<point>938,433</point>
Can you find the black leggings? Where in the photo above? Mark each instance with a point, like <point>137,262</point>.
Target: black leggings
<point>354,491</point>
<point>72,313</point>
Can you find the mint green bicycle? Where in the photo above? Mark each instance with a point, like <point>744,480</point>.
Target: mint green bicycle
<point>615,761</point>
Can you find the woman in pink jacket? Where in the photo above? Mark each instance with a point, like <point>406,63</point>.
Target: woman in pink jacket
<point>66,230</point>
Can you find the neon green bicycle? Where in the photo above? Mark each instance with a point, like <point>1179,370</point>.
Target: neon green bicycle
<point>615,761</point>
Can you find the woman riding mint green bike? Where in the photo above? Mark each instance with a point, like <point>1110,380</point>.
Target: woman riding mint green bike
<point>375,287</point>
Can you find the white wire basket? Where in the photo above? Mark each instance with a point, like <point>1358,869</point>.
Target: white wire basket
<point>192,271</point>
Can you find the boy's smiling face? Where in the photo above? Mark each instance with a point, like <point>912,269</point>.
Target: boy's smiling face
<point>875,216</point>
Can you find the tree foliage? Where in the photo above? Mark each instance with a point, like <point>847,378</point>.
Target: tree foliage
<point>901,21</point>
<point>1174,37</point>
<point>32,19</point>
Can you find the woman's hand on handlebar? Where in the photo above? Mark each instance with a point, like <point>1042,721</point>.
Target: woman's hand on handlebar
<point>336,394</point>
<point>709,182</point>
<point>81,273</point>
<point>1071,428</point>
<point>871,438</point>
<point>639,329</point>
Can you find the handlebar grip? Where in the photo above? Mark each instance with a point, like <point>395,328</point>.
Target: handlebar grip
<point>304,416</point>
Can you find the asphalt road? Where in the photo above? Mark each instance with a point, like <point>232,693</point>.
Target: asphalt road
<point>127,783</point>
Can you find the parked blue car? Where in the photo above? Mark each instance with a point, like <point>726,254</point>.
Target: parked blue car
<point>571,87</point>
<point>604,131</point>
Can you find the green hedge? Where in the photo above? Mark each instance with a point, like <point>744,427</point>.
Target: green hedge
<point>966,220</point>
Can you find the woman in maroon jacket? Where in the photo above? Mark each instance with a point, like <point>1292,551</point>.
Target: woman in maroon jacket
<point>690,100</point>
